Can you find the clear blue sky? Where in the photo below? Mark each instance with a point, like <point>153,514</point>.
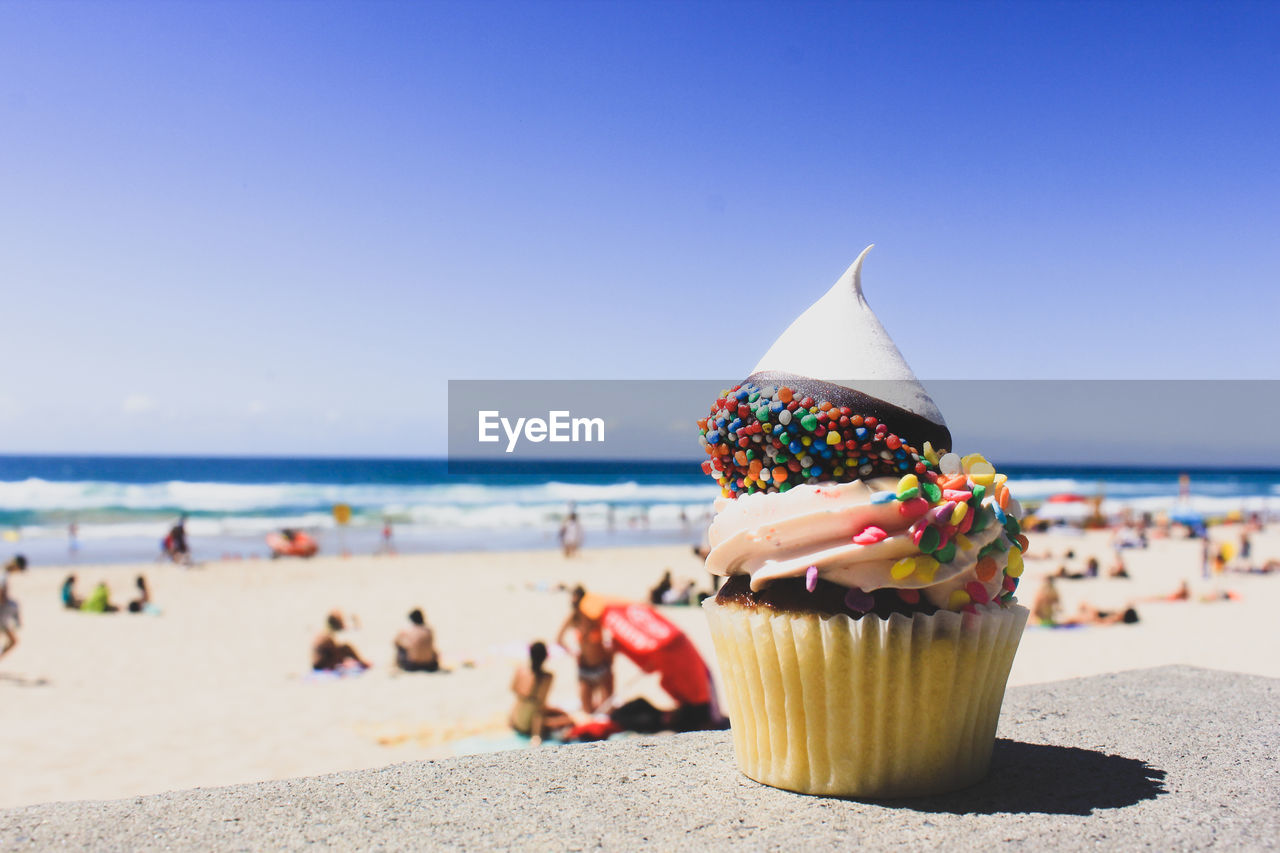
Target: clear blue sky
<point>281,227</point>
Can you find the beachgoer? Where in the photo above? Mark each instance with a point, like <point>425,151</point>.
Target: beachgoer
<point>416,646</point>
<point>1246,546</point>
<point>664,586</point>
<point>10,612</point>
<point>73,541</point>
<point>1118,569</point>
<point>70,600</point>
<point>1086,614</point>
<point>99,601</point>
<point>571,534</point>
<point>683,595</point>
<point>175,544</point>
<point>388,544</point>
<point>140,604</point>
<point>1044,607</point>
<point>531,685</point>
<point>330,655</point>
<point>595,656</point>
<point>1091,567</point>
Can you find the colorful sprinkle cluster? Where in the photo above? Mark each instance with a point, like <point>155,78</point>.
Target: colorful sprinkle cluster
<point>770,440</point>
<point>953,498</point>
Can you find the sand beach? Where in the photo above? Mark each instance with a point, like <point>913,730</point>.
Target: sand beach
<point>215,690</point>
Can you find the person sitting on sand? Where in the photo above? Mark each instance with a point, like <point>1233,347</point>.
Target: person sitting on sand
<point>595,656</point>
<point>1044,607</point>
<point>531,685</point>
<point>416,646</point>
<point>70,600</point>
<point>683,595</point>
<point>330,655</point>
<point>140,604</point>
<point>1118,569</point>
<point>99,601</point>
<point>664,586</point>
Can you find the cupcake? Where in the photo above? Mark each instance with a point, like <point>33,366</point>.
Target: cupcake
<point>867,624</point>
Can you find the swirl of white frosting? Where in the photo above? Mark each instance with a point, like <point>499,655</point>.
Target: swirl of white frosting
<point>773,536</point>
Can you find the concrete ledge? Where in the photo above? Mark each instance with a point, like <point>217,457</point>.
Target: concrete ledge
<point>1172,758</point>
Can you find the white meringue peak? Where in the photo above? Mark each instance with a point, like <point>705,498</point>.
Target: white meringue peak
<point>840,340</point>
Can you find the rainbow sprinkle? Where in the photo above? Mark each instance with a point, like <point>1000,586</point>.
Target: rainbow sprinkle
<point>767,439</point>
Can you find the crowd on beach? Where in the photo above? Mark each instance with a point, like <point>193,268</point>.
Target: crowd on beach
<point>582,634</point>
<point>1218,558</point>
<point>98,601</point>
<point>414,645</point>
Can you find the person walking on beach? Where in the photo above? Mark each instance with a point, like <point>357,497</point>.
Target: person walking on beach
<point>531,684</point>
<point>388,545</point>
<point>328,654</point>
<point>595,655</point>
<point>10,613</point>
<point>175,544</point>
<point>571,534</point>
<point>416,646</point>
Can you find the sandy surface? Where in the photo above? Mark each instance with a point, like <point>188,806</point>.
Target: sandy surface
<point>214,691</point>
<point>1170,759</point>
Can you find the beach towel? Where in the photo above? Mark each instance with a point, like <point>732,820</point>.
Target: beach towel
<point>485,744</point>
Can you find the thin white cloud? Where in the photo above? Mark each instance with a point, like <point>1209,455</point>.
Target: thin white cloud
<point>138,404</point>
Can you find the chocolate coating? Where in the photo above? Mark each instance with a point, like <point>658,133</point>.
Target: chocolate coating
<point>789,595</point>
<point>914,429</point>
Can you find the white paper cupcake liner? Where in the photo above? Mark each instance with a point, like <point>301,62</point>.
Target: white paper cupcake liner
<point>869,707</point>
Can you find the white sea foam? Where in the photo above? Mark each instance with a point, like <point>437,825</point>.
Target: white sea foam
<point>113,510</point>
<point>206,497</point>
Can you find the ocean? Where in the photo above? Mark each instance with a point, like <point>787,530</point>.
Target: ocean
<point>123,506</point>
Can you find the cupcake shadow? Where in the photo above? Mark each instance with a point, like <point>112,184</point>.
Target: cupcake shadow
<point>1033,778</point>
